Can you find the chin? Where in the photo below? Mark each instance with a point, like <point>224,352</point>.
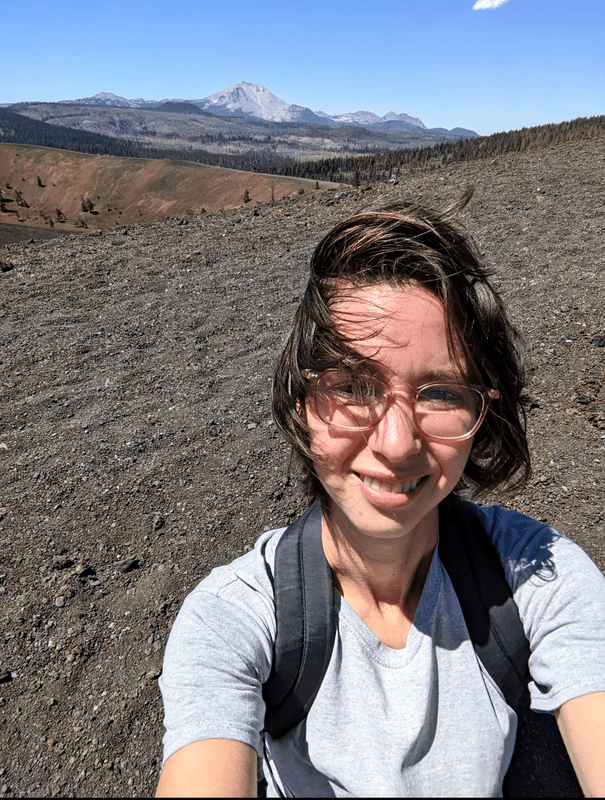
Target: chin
<point>385,515</point>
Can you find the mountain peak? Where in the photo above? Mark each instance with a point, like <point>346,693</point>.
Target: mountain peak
<point>245,99</point>
<point>104,99</point>
<point>107,96</point>
<point>248,100</point>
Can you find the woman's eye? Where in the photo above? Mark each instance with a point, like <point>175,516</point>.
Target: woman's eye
<point>443,395</point>
<point>355,390</point>
<point>343,388</point>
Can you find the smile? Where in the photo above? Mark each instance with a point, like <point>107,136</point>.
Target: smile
<point>392,488</point>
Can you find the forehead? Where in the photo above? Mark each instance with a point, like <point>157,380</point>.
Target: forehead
<point>403,329</point>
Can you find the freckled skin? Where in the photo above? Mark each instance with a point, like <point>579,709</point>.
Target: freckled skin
<point>405,332</point>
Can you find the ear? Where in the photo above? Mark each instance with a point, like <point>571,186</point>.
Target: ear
<point>301,410</point>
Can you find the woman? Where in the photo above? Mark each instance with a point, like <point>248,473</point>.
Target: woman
<point>399,384</point>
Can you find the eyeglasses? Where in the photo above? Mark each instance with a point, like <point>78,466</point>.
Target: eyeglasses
<point>357,402</point>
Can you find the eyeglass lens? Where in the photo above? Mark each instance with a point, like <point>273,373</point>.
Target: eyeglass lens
<point>355,403</point>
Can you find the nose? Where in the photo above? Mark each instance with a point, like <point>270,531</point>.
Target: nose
<point>395,435</point>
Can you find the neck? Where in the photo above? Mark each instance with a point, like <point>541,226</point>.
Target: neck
<point>374,573</point>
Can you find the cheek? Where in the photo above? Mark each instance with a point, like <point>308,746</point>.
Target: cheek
<point>319,438</point>
<point>465,451</point>
<point>330,449</point>
<point>453,459</point>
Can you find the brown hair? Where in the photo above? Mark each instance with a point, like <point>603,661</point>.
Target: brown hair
<point>402,245</point>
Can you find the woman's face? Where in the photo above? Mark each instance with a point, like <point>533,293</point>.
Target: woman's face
<point>386,482</point>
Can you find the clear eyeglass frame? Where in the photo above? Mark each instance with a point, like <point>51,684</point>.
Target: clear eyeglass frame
<point>390,394</point>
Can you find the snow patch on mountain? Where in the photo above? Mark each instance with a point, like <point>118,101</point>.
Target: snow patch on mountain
<point>368,118</point>
<point>104,99</point>
<point>247,100</point>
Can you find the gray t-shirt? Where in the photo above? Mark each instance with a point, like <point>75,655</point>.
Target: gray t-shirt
<point>423,721</point>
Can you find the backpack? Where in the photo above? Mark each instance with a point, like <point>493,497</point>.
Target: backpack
<point>306,629</point>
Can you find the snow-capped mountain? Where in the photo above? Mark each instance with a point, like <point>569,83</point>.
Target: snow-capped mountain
<point>246,100</point>
<point>105,99</point>
<point>254,100</point>
<point>368,118</point>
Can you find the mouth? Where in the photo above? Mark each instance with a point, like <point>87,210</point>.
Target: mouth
<point>391,488</point>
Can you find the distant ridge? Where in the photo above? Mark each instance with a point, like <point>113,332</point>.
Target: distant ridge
<point>455,131</point>
<point>255,100</point>
<point>384,166</point>
<point>105,99</point>
<point>181,130</point>
<point>366,155</point>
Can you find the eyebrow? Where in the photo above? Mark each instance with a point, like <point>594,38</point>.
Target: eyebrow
<point>442,376</point>
<point>422,378</point>
<point>373,366</point>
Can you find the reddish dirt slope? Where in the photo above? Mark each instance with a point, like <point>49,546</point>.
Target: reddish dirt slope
<point>55,188</point>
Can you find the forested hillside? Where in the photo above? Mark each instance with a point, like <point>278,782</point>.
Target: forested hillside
<point>18,129</point>
<point>349,169</point>
<point>176,132</point>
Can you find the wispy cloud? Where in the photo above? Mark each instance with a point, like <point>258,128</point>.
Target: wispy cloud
<point>480,5</point>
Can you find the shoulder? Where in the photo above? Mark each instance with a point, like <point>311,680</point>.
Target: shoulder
<point>560,594</point>
<point>536,556</point>
<point>219,653</point>
<point>497,521</point>
<point>250,572</point>
<point>243,587</point>
<point>230,613</point>
<point>525,546</point>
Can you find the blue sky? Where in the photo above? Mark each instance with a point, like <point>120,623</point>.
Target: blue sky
<point>522,63</point>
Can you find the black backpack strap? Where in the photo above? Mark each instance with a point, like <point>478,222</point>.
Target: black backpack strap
<point>540,766</point>
<point>486,599</point>
<point>306,624</point>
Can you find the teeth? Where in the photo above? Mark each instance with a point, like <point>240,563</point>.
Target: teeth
<point>394,488</point>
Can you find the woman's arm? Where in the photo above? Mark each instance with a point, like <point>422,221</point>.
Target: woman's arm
<point>210,768</point>
<point>582,725</point>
